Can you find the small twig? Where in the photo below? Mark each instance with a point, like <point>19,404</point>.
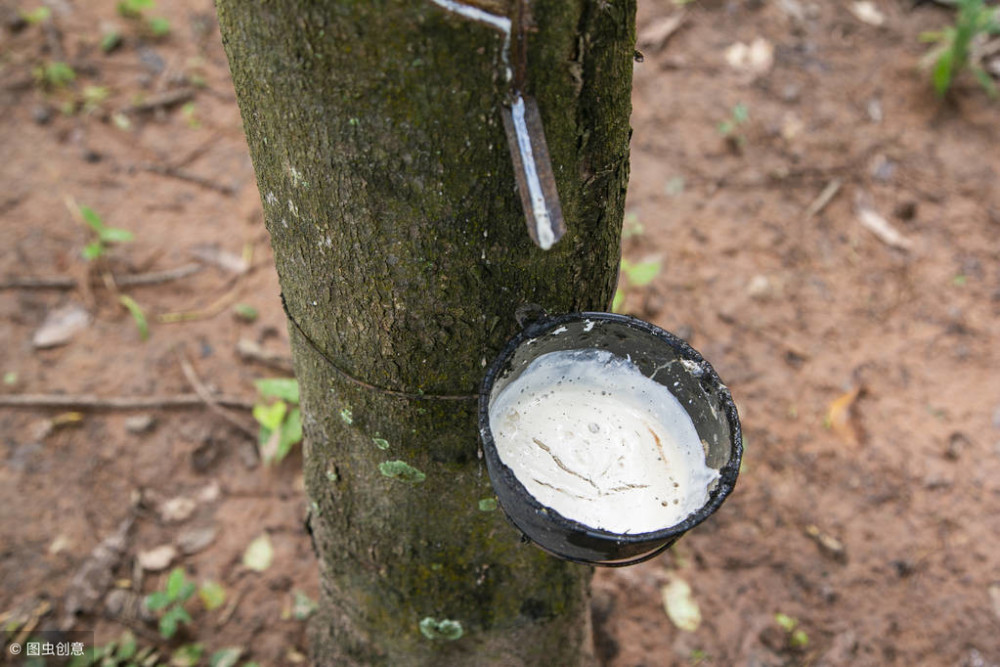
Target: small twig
<point>251,351</point>
<point>86,290</point>
<point>157,277</point>
<point>200,150</point>
<point>92,402</point>
<point>211,310</point>
<point>205,395</point>
<point>58,282</point>
<point>824,198</point>
<point>185,175</point>
<point>227,613</point>
<point>161,101</point>
<point>128,280</point>
<point>871,220</point>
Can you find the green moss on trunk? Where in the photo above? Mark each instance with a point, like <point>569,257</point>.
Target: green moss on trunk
<point>388,191</point>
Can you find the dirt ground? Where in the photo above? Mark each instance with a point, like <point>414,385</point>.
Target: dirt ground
<point>865,528</point>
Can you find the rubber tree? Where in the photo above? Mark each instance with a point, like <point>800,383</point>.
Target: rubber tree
<point>400,243</point>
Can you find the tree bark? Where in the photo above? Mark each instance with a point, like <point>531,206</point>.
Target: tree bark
<point>400,244</point>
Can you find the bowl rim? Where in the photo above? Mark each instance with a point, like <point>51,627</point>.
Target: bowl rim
<point>727,474</point>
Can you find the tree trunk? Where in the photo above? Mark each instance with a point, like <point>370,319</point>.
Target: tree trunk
<point>375,132</point>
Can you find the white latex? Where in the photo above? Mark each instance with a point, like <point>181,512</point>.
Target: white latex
<point>592,438</point>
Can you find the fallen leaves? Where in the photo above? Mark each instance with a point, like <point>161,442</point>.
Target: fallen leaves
<point>753,60</point>
<point>867,12</point>
<point>158,558</point>
<point>828,545</point>
<point>994,592</point>
<point>840,417</point>
<point>680,605</point>
<point>260,554</point>
<point>883,230</point>
<point>177,509</point>
<point>61,325</point>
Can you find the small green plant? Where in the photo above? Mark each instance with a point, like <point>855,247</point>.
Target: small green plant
<point>55,74</point>
<point>104,236</point>
<point>796,636</point>
<point>135,10</point>
<point>633,274</point>
<point>124,652</point>
<point>953,46</point>
<point>302,606</point>
<point>110,41</point>
<point>170,601</point>
<point>36,16</point>
<point>445,628</point>
<point>189,112</point>
<point>279,417</point>
<point>187,655</point>
<point>92,97</point>
<point>632,227</point>
<point>245,312</point>
<point>138,315</point>
<point>731,128</point>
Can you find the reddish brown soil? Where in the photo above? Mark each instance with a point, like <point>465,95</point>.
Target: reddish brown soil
<point>877,529</point>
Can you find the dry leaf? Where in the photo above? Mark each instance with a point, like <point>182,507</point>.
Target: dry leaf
<point>259,554</point>
<point>61,325</point>
<point>658,32</point>
<point>830,546</point>
<point>60,543</point>
<point>158,558</point>
<point>995,599</point>
<point>791,127</point>
<point>867,12</point>
<point>878,225</point>
<point>754,59</point>
<point>225,260</point>
<point>839,416</point>
<point>679,604</point>
<point>210,492</point>
<point>177,509</point>
<point>194,540</point>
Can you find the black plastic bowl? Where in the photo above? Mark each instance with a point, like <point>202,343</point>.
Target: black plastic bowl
<point>651,349</point>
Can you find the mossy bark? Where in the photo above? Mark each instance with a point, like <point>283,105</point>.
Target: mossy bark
<point>400,243</point>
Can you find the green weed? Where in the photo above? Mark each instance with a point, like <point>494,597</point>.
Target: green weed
<point>245,312</point>
<point>189,112</point>
<point>54,74</point>
<point>730,128</point>
<point>280,419</point>
<point>135,10</point>
<point>92,97</point>
<point>632,227</point>
<point>953,46</point>
<point>797,638</point>
<point>125,652</point>
<point>36,16</point>
<point>170,601</point>
<point>104,236</point>
<point>633,275</point>
<point>138,315</point>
